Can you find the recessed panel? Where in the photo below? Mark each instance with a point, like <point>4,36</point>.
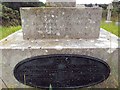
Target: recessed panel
<point>61,71</point>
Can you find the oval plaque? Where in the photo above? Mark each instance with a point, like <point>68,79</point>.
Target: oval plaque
<point>61,71</point>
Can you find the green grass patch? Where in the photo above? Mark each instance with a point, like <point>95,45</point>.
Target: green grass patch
<point>111,27</point>
<point>5,31</point>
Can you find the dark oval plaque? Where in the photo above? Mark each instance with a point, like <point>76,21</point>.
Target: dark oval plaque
<point>61,71</point>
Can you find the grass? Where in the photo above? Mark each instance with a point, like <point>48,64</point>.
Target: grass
<point>111,27</point>
<point>5,31</point>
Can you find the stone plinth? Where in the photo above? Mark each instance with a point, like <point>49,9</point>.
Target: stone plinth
<point>61,3</point>
<point>60,22</point>
<point>14,49</point>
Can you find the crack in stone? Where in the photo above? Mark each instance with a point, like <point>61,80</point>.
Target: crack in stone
<point>3,82</point>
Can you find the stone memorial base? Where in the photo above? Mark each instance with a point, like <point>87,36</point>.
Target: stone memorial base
<point>14,49</point>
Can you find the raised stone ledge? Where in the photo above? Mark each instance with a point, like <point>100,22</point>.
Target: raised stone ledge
<point>14,49</point>
<point>16,41</point>
<point>60,22</point>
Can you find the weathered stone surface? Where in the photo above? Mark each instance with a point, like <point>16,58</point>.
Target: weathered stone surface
<point>110,7</point>
<point>58,23</point>
<point>61,3</point>
<point>10,62</point>
<point>14,49</point>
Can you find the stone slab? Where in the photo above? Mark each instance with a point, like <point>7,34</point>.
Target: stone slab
<point>14,49</point>
<point>61,3</point>
<point>16,41</point>
<point>60,23</point>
